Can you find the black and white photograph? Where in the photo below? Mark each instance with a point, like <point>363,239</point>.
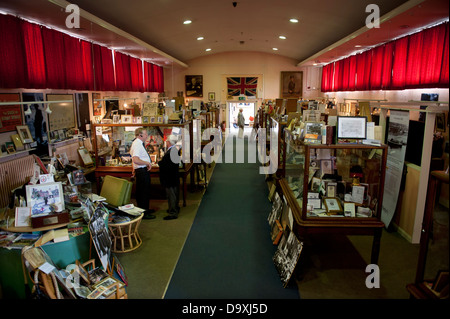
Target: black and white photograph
<point>100,235</point>
<point>287,255</point>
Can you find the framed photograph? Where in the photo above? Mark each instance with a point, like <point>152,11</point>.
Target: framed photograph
<point>313,128</point>
<point>211,96</point>
<point>291,84</point>
<point>45,199</point>
<point>331,189</point>
<point>10,147</point>
<point>194,85</point>
<point>332,205</point>
<point>349,209</point>
<point>326,166</point>
<point>116,119</point>
<point>145,120</point>
<point>127,119</point>
<point>351,127</point>
<point>159,119</point>
<point>24,133</point>
<point>152,119</point>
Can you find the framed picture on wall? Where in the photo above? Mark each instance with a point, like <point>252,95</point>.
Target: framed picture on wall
<point>291,84</point>
<point>24,133</point>
<point>194,85</point>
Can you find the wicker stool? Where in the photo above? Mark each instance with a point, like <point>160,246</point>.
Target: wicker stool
<point>125,236</point>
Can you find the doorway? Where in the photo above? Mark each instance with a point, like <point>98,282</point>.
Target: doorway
<point>248,109</point>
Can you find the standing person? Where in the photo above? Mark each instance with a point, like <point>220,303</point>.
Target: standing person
<point>169,176</point>
<point>241,123</point>
<point>142,165</point>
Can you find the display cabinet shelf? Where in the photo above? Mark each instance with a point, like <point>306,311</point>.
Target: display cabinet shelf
<point>335,188</point>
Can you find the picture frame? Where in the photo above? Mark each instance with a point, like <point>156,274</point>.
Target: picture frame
<point>211,96</point>
<point>349,209</point>
<point>332,205</point>
<point>24,133</point>
<point>326,166</point>
<point>351,127</point>
<point>45,199</point>
<point>10,115</point>
<point>331,189</point>
<point>127,119</point>
<point>84,274</point>
<point>291,85</point>
<point>194,85</point>
<point>116,119</point>
<point>313,128</point>
<point>10,147</point>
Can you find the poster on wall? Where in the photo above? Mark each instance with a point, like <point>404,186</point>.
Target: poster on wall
<point>194,85</point>
<point>97,106</point>
<point>10,115</point>
<point>37,121</point>
<point>62,115</point>
<point>397,140</point>
<point>291,84</point>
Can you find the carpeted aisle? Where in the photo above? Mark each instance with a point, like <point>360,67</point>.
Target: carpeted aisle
<point>228,253</point>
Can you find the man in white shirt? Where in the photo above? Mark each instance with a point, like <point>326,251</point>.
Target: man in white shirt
<point>142,165</point>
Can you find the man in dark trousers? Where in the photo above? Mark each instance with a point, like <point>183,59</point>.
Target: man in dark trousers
<point>142,165</point>
<point>169,176</point>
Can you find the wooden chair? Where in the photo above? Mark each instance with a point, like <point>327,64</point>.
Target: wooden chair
<point>125,236</point>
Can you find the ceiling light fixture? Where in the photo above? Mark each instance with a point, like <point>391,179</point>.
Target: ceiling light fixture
<point>282,37</point>
<point>187,22</point>
<point>293,20</point>
<point>200,38</point>
<point>275,49</point>
<point>47,109</point>
<point>208,49</point>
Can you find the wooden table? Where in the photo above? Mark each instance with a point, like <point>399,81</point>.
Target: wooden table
<point>126,171</point>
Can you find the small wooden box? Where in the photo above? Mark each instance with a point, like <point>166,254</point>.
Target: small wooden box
<point>49,220</point>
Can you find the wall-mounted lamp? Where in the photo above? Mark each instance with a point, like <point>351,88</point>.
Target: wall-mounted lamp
<point>28,111</point>
<point>47,109</point>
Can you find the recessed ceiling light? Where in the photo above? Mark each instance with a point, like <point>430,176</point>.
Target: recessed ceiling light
<point>200,38</point>
<point>275,49</point>
<point>293,20</point>
<point>358,46</point>
<point>208,49</point>
<point>282,37</point>
<point>187,22</point>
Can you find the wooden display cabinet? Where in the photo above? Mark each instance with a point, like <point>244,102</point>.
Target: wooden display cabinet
<point>112,142</point>
<point>335,188</point>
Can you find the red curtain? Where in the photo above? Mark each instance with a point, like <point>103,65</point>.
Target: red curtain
<point>399,63</point>
<point>386,73</point>
<point>12,57</point>
<point>87,65</point>
<point>443,79</point>
<point>137,77</point>
<point>413,62</point>
<point>104,69</point>
<point>154,77</point>
<point>420,60</point>
<point>55,61</point>
<point>327,78</point>
<point>34,55</point>
<point>376,68</point>
<point>431,56</point>
<point>337,79</point>
<point>122,70</point>
<point>363,65</point>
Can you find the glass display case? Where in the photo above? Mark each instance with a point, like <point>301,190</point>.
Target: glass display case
<point>112,142</point>
<point>336,187</point>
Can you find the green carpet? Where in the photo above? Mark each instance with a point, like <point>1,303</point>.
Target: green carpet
<point>228,253</point>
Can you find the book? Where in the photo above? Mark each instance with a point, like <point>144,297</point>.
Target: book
<point>57,235</point>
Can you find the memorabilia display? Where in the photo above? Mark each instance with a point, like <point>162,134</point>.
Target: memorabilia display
<point>338,174</point>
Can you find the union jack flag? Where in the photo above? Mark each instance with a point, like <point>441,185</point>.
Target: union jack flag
<point>245,86</point>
